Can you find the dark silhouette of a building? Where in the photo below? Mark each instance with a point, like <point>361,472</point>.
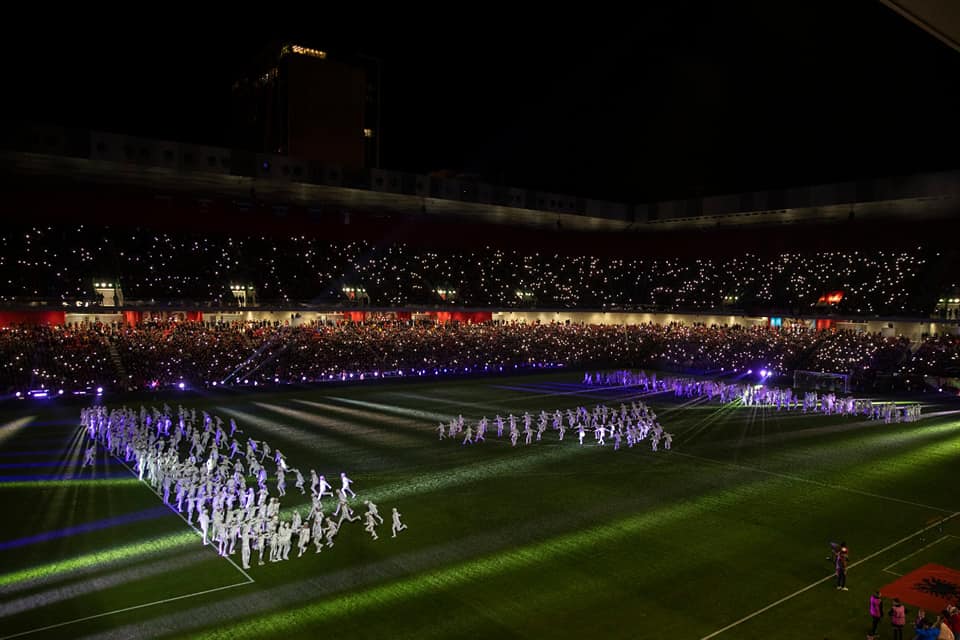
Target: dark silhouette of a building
<point>310,104</point>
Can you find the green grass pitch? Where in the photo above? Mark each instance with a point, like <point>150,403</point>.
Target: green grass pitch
<point>544,541</point>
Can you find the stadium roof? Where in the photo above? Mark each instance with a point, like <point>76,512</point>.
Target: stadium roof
<point>939,18</point>
<point>154,168</point>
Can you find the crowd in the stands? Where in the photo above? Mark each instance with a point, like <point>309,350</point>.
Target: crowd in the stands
<point>199,354</point>
<point>62,263</point>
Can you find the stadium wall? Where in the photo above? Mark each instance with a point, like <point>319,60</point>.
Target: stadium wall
<point>912,329</point>
<point>8,318</point>
<point>626,318</point>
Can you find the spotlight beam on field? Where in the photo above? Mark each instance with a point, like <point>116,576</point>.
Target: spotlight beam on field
<point>458,403</point>
<point>460,476</point>
<point>888,435</point>
<point>434,557</point>
<point>691,433</point>
<point>369,436</point>
<point>56,481</point>
<point>14,427</point>
<point>111,580</point>
<point>86,527</point>
<point>472,571</point>
<point>281,431</point>
<point>33,576</point>
<point>409,415</point>
<point>412,414</point>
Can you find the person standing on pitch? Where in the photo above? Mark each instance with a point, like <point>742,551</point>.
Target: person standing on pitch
<point>303,539</point>
<point>317,531</point>
<point>262,537</point>
<point>204,522</point>
<point>840,561</point>
<point>245,546</point>
<point>876,613</point>
<point>898,618</point>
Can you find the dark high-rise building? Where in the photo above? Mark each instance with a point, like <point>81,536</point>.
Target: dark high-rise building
<point>312,105</point>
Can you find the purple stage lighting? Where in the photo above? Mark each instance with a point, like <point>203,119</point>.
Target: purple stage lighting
<point>181,386</point>
<point>763,373</point>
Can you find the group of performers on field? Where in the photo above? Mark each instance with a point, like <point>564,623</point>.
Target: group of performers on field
<point>632,424</point>
<point>200,469</point>
<point>754,395</point>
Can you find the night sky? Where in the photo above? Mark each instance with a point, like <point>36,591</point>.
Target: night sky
<point>692,99</point>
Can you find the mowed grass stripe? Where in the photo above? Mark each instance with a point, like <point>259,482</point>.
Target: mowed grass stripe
<point>573,547</point>
<point>767,542</point>
<point>304,448</point>
<point>66,566</point>
<point>507,537</point>
<point>361,428</point>
<point>123,576</point>
<point>409,422</point>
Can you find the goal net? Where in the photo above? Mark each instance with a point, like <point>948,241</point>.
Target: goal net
<point>819,381</point>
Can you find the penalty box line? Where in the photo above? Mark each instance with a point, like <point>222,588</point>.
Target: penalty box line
<point>828,578</point>
<point>133,608</point>
<point>886,569</point>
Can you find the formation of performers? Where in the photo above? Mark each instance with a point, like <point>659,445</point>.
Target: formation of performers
<point>202,470</point>
<point>633,424</point>
<point>752,395</point>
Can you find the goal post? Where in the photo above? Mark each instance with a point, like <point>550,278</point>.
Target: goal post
<point>820,381</point>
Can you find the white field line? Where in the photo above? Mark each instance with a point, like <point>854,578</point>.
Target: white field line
<point>246,575</point>
<point>185,521</point>
<point>910,555</point>
<point>136,606</point>
<point>826,578</point>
